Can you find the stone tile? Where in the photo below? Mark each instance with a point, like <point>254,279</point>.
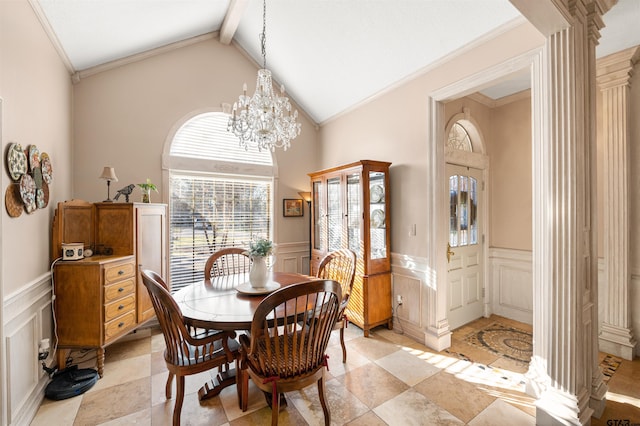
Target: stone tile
<point>114,402</point>
<point>368,419</point>
<point>142,418</point>
<point>287,416</point>
<point>407,367</point>
<point>372,347</point>
<point>343,405</point>
<point>412,408</point>
<point>229,399</point>
<point>336,367</point>
<point>510,364</point>
<point>57,412</point>
<point>123,371</point>
<point>127,349</point>
<point>158,364</point>
<point>372,384</point>
<point>502,413</point>
<point>447,391</point>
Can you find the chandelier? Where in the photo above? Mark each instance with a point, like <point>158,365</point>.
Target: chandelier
<point>264,120</point>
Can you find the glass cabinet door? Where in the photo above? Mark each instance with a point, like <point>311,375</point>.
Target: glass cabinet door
<point>354,212</point>
<point>334,214</point>
<point>319,226</point>
<point>377,221</point>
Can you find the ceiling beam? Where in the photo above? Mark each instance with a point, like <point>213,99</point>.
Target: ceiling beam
<point>232,20</point>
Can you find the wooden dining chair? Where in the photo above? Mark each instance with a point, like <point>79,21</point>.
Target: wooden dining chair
<point>185,353</point>
<point>340,266</point>
<point>227,261</point>
<point>286,347</point>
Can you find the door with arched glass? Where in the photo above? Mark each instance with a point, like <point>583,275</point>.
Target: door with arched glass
<point>465,257</point>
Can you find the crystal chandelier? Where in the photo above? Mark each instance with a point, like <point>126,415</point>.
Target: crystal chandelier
<point>264,120</point>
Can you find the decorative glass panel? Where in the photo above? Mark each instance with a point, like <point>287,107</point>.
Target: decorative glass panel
<point>459,139</point>
<point>354,212</point>
<point>318,202</point>
<point>473,211</point>
<point>334,217</point>
<point>463,211</point>
<point>453,211</point>
<point>378,232</point>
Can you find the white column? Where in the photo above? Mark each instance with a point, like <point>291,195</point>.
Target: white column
<point>613,75</point>
<point>563,373</point>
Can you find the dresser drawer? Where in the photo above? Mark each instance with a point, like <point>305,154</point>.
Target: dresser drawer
<point>119,325</point>
<point>119,271</point>
<point>119,307</point>
<point>119,290</point>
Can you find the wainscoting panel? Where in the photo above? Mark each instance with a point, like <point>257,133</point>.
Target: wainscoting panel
<point>28,319</point>
<point>511,284</point>
<point>292,257</point>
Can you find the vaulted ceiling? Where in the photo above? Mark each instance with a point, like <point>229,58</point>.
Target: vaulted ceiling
<point>331,54</point>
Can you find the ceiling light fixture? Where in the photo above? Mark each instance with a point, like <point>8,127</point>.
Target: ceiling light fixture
<point>264,120</point>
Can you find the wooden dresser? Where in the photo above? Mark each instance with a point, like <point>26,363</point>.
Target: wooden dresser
<point>101,298</point>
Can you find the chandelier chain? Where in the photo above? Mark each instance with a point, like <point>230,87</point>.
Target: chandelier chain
<point>263,36</point>
<point>265,120</point>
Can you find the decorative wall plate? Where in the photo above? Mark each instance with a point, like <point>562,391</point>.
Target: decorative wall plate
<point>36,174</point>
<point>376,193</point>
<point>34,157</point>
<point>377,218</point>
<point>47,169</point>
<point>28,193</point>
<point>13,201</point>
<point>45,194</point>
<point>16,161</point>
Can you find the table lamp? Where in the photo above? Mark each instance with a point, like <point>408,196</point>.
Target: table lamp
<point>108,174</point>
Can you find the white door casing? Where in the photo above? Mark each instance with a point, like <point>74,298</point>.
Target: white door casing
<point>465,267</point>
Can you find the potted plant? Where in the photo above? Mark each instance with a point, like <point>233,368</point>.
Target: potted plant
<point>147,187</point>
<point>258,252</point>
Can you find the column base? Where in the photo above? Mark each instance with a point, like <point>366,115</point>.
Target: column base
<point>438,339</point>
<point>617,341</point>
<point>556,407</point>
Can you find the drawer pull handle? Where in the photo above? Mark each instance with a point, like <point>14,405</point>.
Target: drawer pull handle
<point>120,325</point>
<point>120,272</point>
<point>121,289</point>
<point>120,307</point>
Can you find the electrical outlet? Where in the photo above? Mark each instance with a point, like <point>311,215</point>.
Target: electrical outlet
<point>399,299</point>
<point>43,349</point>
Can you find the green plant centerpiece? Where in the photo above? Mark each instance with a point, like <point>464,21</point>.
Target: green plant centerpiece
<point>258,252</point>
<point>261,247</point>
<point>147,187</point>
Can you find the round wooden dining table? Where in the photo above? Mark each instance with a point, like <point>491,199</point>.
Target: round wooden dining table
<point>221,304</point>
<point>227,303</point>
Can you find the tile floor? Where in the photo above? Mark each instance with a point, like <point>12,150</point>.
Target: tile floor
<point>389,379</point>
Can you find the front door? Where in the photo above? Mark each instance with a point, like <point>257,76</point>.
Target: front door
<point>465,293</point>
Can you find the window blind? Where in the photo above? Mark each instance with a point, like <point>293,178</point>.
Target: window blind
<point>210,211</point>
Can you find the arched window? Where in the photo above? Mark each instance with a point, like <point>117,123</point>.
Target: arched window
<point>220,195</point>
<point>459,138</point>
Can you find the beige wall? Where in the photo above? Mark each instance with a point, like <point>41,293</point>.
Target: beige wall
<point>511,178</point>
<point>124,116</point>
<point>394,127</point>
<point>36,91</point>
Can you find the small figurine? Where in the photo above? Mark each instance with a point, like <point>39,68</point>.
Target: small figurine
<point>126,191</point>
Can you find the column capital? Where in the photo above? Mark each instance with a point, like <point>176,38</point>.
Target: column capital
<point>616,69</point>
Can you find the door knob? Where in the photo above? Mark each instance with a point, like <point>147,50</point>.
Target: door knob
<point>449,252</point>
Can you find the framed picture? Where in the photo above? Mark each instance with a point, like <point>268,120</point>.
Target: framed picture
<point>292,207</point>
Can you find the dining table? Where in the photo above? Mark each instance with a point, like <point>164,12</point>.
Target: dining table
<point>227,303</point>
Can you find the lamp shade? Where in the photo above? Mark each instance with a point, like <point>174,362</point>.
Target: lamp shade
<point>306,196</point>
<point>109,174</point>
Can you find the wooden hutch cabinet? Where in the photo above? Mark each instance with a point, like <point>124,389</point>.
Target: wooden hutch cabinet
<point>101,298</point>
<point>350,209</point>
